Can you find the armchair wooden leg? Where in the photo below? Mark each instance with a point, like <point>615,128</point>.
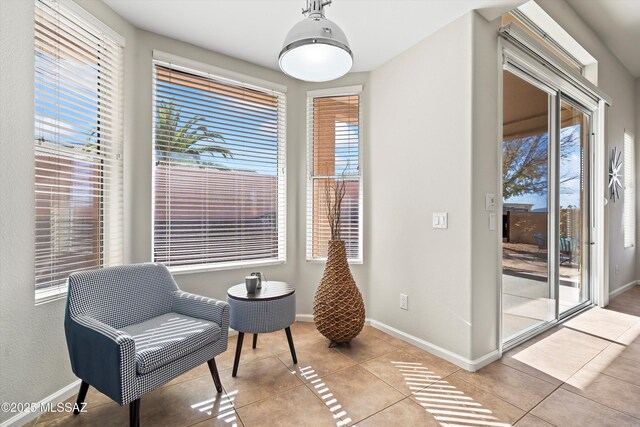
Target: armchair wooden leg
<point>214,373</point>
<point>82,394</point>
<point>134,413</point>
<point>255,340</point>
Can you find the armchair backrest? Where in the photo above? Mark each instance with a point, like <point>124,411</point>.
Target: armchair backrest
<point>123,295</point>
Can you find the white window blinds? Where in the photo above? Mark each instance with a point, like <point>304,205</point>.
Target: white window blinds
<point>629,214</point>
<point>334,121</point>
<point>219,176</point>
<point>78,146</point>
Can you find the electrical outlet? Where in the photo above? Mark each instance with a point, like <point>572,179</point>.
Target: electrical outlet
<point>617,269</point>
<point>404,302</point>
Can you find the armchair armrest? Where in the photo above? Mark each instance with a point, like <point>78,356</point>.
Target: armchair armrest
<point>205,308</point>
<point>102,356</point>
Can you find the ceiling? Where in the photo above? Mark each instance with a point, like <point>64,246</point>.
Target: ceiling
<point>253,30</point>
<point>617,24</point>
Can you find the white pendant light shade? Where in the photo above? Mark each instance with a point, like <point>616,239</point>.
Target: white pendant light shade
<point>316,49</point>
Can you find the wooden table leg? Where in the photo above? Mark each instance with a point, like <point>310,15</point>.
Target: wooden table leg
<point>236,361</point>
<point>287,330</point>
<point>255,340</point>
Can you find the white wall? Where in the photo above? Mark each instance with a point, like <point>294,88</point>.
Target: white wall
<point>486,244</point>
<point>419,162</point>
<point>33,355</point>
<point>615,80</point>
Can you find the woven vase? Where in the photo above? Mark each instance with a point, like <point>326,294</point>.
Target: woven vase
<point>338,309</point>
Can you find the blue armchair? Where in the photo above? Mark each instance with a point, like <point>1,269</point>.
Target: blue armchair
<point>129,330</point>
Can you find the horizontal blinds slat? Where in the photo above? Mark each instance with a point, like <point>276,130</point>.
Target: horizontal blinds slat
<point>333,133</point>
<point>225,208</point>
<point>77,143</point>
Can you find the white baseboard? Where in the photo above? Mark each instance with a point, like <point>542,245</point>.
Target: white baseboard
<point>54,398</point>
<point>623,288</point>
<point>463,362</point>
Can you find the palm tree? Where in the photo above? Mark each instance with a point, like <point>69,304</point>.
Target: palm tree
<point>185,137</point>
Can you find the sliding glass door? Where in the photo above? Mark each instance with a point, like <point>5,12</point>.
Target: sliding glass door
<point>573,233</point>
<point>527,286</point>
<point>546,205</point>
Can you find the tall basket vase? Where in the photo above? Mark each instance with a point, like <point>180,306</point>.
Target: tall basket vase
<point>338,308</point>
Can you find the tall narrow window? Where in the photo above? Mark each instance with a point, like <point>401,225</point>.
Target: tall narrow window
<point>219,171</point>
<point>78,145</point>
<point>334,159</point>
<point>629,191</point>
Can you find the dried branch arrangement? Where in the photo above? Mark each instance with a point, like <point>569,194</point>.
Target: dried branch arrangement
<point>334,191</point>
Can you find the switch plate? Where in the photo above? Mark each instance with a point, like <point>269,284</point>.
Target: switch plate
<point>492,221</point>
<point>440,220</point>
<point>404,302</point>
<point>490,202</point>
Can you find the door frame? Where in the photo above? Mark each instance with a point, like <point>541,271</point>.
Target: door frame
<point>538,72</point>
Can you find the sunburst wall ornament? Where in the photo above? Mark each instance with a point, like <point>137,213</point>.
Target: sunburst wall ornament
<point>615,174</point>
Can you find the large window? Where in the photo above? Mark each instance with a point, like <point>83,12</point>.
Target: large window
<point>219,170</point>
<point>334,159</point>
<point>629,191</point>
<point>78,145</point>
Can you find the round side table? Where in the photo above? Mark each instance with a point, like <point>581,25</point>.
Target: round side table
<point>269,309</point>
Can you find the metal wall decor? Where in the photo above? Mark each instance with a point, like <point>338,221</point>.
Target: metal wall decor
<point>615,174</point>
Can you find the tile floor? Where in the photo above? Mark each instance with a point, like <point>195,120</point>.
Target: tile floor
<point>583,373</point>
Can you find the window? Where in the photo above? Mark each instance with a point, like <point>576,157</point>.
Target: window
<point>629,191</point>
<point>334,153</point>
<point>78,145</point>
<point>219,183</point>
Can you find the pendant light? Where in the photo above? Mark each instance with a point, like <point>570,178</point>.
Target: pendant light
<point>315,49</point>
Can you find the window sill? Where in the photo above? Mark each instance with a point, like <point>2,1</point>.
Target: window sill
<point>204,268</point>
<point>44,296</point>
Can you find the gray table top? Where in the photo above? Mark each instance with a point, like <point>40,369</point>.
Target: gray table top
<point>270,290</point>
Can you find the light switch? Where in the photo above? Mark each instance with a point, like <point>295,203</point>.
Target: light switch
<point>440,220</point>
<point>490,202</point>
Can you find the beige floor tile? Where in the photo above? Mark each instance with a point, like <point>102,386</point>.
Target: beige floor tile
<point>248,354</point>
<point>360,393</point>
<point>564,408</point>
<point>198,371</point>
<point>185,403</point>
<point>611,362</point>
<point>315,361</point>
<point>295,407</point>
<point>455,401</point>
<point>94,399</point>
<point>609,391</point>
<point>603,323</point>
<point>363,348</point>
<point>108,415</point>
<point>516,387</point>
<point>512,359</point>
<point>532,421</point>
<point>404,371</point>
<point>404,413</point>
<point>258,380</point>
<point>227,421</point>
<point>558,356</point>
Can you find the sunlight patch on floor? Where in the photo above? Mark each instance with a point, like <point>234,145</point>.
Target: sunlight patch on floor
<point>448,405</point>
